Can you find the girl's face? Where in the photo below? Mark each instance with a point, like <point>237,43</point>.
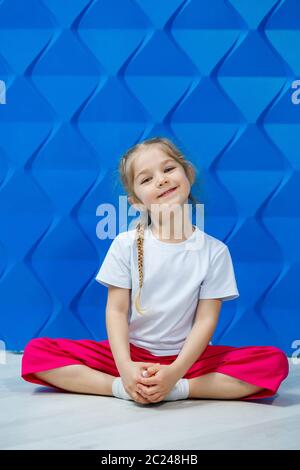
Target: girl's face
<point>154,173</point>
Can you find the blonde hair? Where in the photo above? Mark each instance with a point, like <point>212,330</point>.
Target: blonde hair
<point>127,178</point>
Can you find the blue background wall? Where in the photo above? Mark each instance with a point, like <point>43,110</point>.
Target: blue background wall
<point>88,79</point>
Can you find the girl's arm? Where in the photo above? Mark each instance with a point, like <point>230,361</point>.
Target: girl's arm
<point>205,323</point>
<point>117,325</point>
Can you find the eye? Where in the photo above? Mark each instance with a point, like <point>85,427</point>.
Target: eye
<point>144,181</point>
<point>170,168</point>
<point>166,169</point>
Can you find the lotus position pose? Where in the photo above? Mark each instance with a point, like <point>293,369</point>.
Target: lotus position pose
<point>166,282</point>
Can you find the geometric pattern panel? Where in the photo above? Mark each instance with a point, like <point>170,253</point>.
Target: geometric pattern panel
<point>82,81</point>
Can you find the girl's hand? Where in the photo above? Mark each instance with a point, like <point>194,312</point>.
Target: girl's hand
<point>151,370</point>
<point>158,386</point>
<point>130,374</point>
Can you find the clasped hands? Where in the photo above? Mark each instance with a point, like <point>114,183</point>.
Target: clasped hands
<point>153,382</point>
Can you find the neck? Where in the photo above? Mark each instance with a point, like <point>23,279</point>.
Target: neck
<point>173,227</point>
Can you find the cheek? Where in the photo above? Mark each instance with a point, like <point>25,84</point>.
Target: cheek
<point>185,184</point>
<point>150,197</point>
<point>146,194</point>
<point>150,191</point>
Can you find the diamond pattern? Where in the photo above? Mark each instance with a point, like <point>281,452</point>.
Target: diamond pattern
<point>86,79</point>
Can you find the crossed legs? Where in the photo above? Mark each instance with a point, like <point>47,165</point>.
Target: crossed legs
<point>220,386</point>
<point>83,379</point>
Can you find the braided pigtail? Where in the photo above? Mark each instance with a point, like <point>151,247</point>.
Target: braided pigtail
<point>140,253</point>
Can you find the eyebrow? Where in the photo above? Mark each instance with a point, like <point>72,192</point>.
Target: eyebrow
<point>145,170</point>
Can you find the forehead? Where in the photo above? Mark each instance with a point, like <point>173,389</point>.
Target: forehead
<point>149,159</point>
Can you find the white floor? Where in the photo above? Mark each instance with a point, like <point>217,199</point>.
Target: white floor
<point>37,417</point>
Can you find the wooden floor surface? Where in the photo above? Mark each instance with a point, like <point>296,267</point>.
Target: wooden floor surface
<point>37,417</point>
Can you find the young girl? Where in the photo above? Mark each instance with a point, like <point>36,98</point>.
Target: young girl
<point>165,293</point>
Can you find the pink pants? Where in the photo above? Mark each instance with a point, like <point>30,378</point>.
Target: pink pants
<point>263,366</point>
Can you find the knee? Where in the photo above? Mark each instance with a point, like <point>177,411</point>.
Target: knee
<point>280,360</point>
<point>34,345</point>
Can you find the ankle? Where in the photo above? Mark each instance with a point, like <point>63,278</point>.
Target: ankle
<point>118,389</point>
<point>180,391</point>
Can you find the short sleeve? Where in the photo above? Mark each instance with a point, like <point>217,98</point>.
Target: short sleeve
<point>115,269</point>
<point>219,282</point>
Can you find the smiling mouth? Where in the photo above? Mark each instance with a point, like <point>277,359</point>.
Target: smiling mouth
<point>168,192</point>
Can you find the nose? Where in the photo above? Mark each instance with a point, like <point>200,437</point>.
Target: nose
<point>162,179</point>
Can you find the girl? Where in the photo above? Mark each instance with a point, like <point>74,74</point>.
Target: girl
<point>165,293</point>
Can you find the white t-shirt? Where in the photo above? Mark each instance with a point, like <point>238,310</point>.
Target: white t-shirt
<point>176,276</point>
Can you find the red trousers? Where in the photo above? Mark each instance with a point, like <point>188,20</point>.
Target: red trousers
<point>263,366</point>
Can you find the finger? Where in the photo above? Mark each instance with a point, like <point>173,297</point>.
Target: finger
<point>139,394</point>
<point>143,391</point>
<point>142,394</point>
<point>146,391</point>
<point>155,398</point>
<point>153,369</point>
<point>146,364</point>
<point>150,371</point>
<point>139,398</point>
<point>148,380</point>
<point>149,365</point>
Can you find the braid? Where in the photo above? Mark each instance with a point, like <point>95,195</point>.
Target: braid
<point>140,253</point>
<point>140,245</point>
